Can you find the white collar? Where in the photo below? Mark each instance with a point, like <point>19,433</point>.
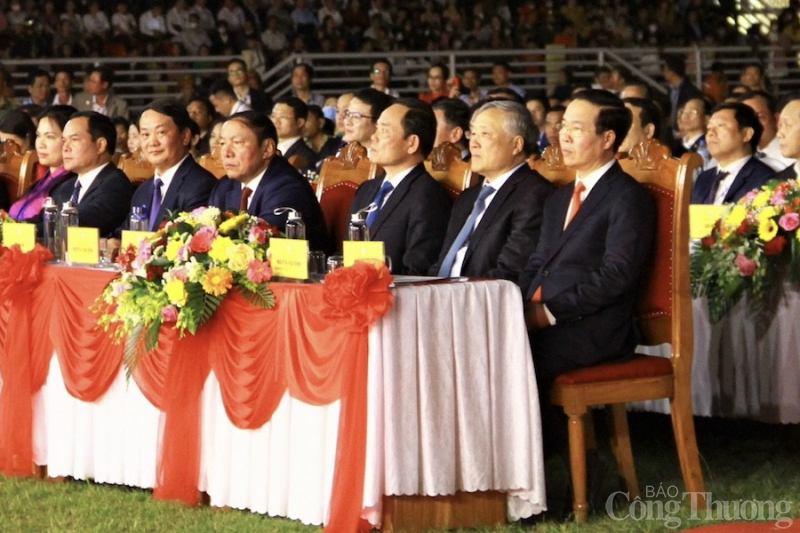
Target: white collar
<point>166,177</point>
<point>88,178</point>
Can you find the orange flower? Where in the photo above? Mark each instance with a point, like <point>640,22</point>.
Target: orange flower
<point>217,282</point>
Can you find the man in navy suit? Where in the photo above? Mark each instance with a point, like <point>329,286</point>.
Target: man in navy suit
<point>495,225</point>
<point>411,208</point>
<point>594,249</point>
<point>259,181</point>
<point>289,116</point>
<point>733,134</point>
<point>179,183</point>
<point>789,137</point>
<point>100,190</point>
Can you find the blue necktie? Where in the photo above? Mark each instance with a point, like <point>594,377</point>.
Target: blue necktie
<point>76,192</point>
<point>155,206</point>
<point>386,188</point>
<point>466,231</point>
<point>712,193</point>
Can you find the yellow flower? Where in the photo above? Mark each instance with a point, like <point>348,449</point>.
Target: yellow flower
<point>231,224</point>
<point>239,257</point>
<point>176,292</point>
<point>217,282</point>
<point>761,199</point>
<point>767,229</point>
<point>172,249</point>
<point>736,217</point>
<point>219,249</point>
<point>766,213</point>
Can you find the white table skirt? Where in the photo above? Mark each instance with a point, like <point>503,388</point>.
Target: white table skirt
<point>452,406</point>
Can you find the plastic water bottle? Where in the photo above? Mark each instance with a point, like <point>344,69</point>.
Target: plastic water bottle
<point>295,227</point>
<point>139,220</point>
<point>358,230</point>
<point>50,222</point>
<point>68,218</point>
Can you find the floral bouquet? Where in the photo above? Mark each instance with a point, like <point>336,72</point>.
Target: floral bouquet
<point>748,247</point>
<point>180,276</point>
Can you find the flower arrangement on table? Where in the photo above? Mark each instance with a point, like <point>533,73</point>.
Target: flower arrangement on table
<point>181,275</point>
<point>748,248</point>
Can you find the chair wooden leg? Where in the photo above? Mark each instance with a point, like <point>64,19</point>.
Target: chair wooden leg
<point>621,446</point>
<point>686,443</point>
<point>39,472</point>
<point>577,459</point>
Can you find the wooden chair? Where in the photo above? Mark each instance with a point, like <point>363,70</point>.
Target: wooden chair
<point>339,178</point>
<point>665,314</point>
<point>298,161</point>
<point>448,168</point>
<point>213,163</point>
<point>136,167</point>
<point>17,170</point>
<point>551,166</point>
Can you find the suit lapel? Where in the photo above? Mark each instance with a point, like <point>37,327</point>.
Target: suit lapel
<point>97,181</point>
<point>171,198</point>
<point>740,181</point>
<point>494,208</point>
<point>395,199</point>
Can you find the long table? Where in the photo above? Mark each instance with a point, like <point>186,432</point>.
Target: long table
<point>452,407</point>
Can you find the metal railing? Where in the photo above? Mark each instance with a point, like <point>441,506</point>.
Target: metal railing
<point>141,79</point>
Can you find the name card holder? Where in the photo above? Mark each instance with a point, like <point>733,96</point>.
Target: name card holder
<point>82,246</point>
<point>20,233</point>
<point>289,258</point>
<point>363,251</point>
<point>134,238</point>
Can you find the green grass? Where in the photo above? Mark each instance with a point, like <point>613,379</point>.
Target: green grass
<point>741,460</point>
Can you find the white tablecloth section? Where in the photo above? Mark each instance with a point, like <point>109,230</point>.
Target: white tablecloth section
<point>746,366</point>
<point>452,406</point>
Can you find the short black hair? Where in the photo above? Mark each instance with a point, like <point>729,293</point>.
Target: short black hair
<point>222,87</point>
<point>746,118</point>
<point>675,63</point>
<point>121,121</point>
<point>503,64</point>
<point>308,68</point>
<point>444,68</point>
<point>382,60</point>
<point>60,114</point>
<point>613,115</point>
<point>236,60</point>
<point>648,113</point>
<point>456,112</point>
<point>298,106</point>
<point>772,103</point>
<point>538,96</point>
<point>37,73</point>
<point>106,74</point>
<point>316,111</point>
<point>258,123</point>
<point>17,122</point>
<point>203,101</point>
<point>419,120</point>
<point>100,127</point>
<point>173,109</point>
<point>502,93</point>
<point>376,100</point>
<point>66,70</point>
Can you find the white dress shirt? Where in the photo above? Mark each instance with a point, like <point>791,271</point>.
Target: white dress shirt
<point>87,179</point>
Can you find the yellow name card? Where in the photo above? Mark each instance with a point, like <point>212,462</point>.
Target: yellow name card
<point>82,245</point>
<point>22,234</point>
<point>363,251</point>
<point>289,258</point>
<point>134,238</point>
<point>702,219</point>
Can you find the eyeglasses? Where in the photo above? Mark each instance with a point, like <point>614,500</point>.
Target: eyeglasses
<point>575,131</point>
<point>274,117</point>
<point>380,71</point>
<point>235,72</point>
<point>355,115</point>
<point>688,113</point>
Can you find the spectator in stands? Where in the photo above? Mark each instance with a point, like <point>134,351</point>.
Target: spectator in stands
<point>329,9</point>
<point>715,85</point>
<point>273,37</point>
<point>6,103</point>
<point>789,136</point>
<point>254,13</point>
<point>123,126</point>
<point>766,108</point>
<point>680,88</point>
<point>71,16</point>
<point>133,136</point>
<point>602,78</point>
<point>100,96</point>
<point>259,180</point>
<point>381,77</point>
<point>753,77</point>
<point>645,123</point>
<point>95,22</point>
<point>538,104</point>
<point>471,91</point>
<point>225,100</point>
<point>342,104</point>
<point>153,24</point>
<point>302,79</point>
<point>438,75</point>
<point>17,126</point>
<point>692,122</point>
<point>411,208</point>
<point>495,225</point>
<point>206,17</point>
<point>635,90</point>
<point>232,15</point>
<point>552,124</point>
<point>177,18</point>
<point>619,79</point>
<point>192,37</point>
<point>123,23</point>
<point>289,116</point>
<point>314,130</point>
<point>452,124</point>
<point>237,77</point>
<point>201,111</point>
<point>362,114</point>
<point>100,190</point>
<point>733,135</point>
<point>501,77</point>
<point>38,88</point>
<point>17,16</point>
<point>49,141</point>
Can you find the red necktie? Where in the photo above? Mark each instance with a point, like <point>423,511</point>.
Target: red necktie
<point>576,202</point>
<point>246,192</point>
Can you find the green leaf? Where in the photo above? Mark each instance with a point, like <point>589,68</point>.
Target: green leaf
<point>262,297</point>
<point>132,352</point>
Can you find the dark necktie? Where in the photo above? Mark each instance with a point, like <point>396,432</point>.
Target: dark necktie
<point>246,192</point>
<point>76,192</point>
<point>466,231</point>
<point>386,188</point>
<point>155,206</point>
<point>712,193</point>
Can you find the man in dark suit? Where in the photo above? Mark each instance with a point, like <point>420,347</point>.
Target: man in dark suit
<point>594,248</point>
<point>259,180</point>
<point>692,123</point>
<point>411,208</point>
<point>789,137</point>
<point>254,99</point>
<point>289,116</point>
<point>100,190</point>
<point>494,226</point>
<point>452,124</point>
<point>733,134</point>
<point>179,183</point>
<point>681,89</point>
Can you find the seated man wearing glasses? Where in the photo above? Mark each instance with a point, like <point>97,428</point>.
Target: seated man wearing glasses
<point>381,77</point>
<point>362,116</point>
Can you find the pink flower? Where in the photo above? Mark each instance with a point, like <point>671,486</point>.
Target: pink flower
<point>257,235</point>
<point>777,198</point>
<point>751,195</point>
<point>183,253</point>
<point>259,271</point>
<point>789,221</point>
<point>180,273</point>
<point>202,240</point>
<point>145,251</point>
<point>747,266</point>
<point>169,314</point>
<point>197,211</point>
